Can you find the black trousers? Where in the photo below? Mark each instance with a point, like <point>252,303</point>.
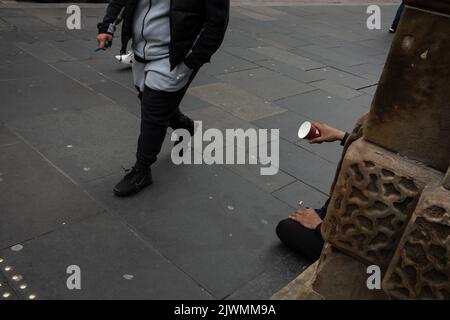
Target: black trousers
<point>304,241</point>
<point>159,110</point>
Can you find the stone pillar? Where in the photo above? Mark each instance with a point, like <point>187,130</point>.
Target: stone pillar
<point>390,202</point>
<point>410,111</point>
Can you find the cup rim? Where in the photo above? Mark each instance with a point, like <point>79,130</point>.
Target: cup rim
<point>304,129</point>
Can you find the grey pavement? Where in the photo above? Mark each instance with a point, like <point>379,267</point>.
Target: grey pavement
<point>69,120</point>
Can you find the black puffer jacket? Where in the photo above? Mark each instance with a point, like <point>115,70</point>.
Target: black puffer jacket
<point>197,28</point>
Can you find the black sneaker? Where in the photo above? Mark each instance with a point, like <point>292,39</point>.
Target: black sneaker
<point>392,29</point>
<point>134,181</point>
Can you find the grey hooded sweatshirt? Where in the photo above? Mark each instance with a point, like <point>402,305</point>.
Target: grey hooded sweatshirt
<point>151,29</point>
<point>151,41</point>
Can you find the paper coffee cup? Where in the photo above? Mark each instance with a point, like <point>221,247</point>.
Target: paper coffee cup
<point>308,131</point>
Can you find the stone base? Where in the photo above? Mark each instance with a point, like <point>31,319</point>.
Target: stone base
<point>301,287</point>
<point>340,277</point>
<point>335,277</point>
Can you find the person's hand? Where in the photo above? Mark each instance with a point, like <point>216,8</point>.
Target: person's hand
<point>307,217</point>
<point>327,133</point>
<point>102,38</point>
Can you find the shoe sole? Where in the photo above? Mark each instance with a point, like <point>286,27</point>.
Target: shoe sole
<point>135,191</point>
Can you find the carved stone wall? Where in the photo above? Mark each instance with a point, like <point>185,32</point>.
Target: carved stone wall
<point>374,197</point>
<point>421,265</point>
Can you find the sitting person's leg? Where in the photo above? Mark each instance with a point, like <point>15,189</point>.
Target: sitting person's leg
<point>300,239</point>
<point>301,232</point>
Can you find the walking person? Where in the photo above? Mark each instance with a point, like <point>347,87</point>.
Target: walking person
<point>171,40</point>
<point>398,15</point>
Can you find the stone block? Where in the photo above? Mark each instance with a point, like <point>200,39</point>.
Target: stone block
<point>420,268</point>
<point>339,276</point>
<point>374,197</point>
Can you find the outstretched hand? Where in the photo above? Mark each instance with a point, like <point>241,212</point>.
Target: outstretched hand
<point>327,133</point>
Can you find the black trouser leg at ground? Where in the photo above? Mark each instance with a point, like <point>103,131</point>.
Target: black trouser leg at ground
<point>302,240</point>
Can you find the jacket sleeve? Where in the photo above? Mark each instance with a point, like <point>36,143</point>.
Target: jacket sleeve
<point>212,35</point>
<point>112,11</point>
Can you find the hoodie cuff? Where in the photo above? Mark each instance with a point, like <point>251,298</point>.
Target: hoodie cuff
<point>192,63</point>
<point>318,231</point>
<point>103,28</point>
<point>344,139</point>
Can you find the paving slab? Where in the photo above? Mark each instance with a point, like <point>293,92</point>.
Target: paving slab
<point>83,49</point>
<point>236,101</point>
<point>306,166</point>
<point>17,64</point>
<point>245,53</point>
<point>29,97</point>
<point>218,227</point>
<point>252,15</point>
<point>112,70</point>
<point>296,60</point>
<point>364,100</point>
<point>329,151</point>
<point>27,24</point>
<point>238,38</point>
<point>336,89</point>
<point>223,62</point>
<point>370,68</point>
<point>190,102</point>
<point>370,90</point>
<point>287,122</point>
<point>297,191</point>
<point>124,96</point>
<point>256,27</point>
<point>266,84</point>
<point>203,78</point>
<point>7,137</point>
<point>252,173</point>
<point>263,286</point>
<point>36,198</point>
<point>213,117</point>
<point>80,72</point>
<point>342,77</point>
<point>332,55</point>
<point>12,34</point>
<point>87,144</point>
<point>119,267</point>
<point>357,49</point>
<point>323,107</point>
<point>287,41</point>
<point>34,36</point>
<point>291,71</point>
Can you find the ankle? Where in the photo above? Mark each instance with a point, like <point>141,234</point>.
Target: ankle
<point>141,166</point>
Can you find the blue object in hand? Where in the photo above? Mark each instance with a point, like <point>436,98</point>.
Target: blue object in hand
<point>107,44</point>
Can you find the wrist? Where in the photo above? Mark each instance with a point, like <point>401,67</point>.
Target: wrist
<point>340,135</point>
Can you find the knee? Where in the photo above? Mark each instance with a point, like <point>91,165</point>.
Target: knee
<point>282,228</point>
